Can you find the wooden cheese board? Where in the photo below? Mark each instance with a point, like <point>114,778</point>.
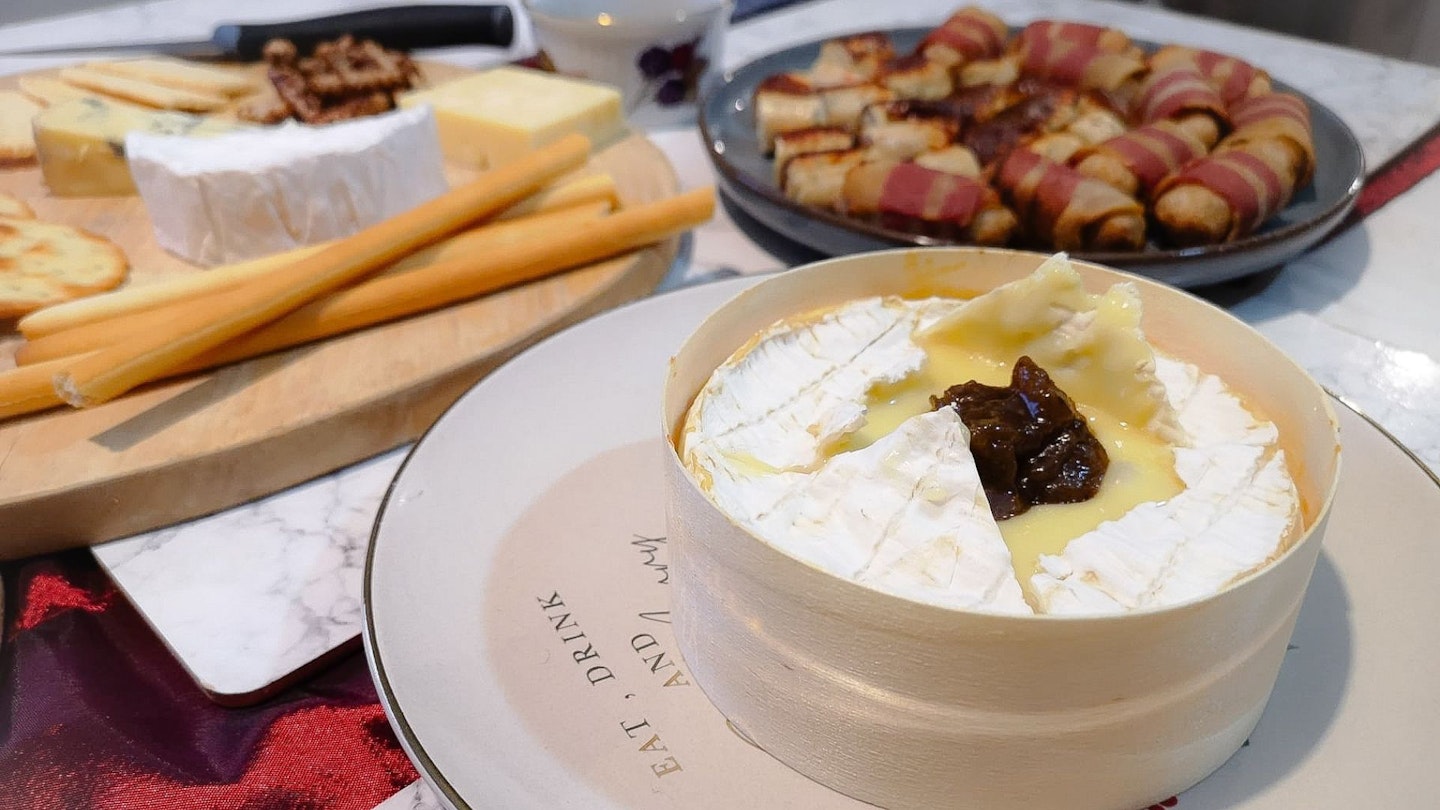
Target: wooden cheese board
<point>192,446</point>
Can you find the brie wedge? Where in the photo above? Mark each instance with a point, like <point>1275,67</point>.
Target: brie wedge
<point>256,192</point>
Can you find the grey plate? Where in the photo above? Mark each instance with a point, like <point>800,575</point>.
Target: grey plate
<point>727,124</point>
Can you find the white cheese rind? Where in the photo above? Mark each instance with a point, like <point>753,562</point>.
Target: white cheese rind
<point>1236,513</point>
<point>907,515</point>
<point>253,193</point>
<point>801,387</point>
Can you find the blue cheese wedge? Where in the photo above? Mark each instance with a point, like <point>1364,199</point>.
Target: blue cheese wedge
<point>80,142</point>
<point>252,193</point>
<point>790,439</point>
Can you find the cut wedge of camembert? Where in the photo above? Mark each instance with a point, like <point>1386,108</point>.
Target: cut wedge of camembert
<point>771,438</point>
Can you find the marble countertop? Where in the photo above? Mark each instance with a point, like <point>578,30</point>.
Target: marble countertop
<point>247,597</point>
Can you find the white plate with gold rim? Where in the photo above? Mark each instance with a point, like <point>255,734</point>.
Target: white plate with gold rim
<point>516,608</point>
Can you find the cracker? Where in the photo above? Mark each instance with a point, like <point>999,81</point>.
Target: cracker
<point>44,263</point>
<point>181,75</point>
<point>14,208</point>
<point>139,92</point>
<point>17,142</point>
<point>49,92</point>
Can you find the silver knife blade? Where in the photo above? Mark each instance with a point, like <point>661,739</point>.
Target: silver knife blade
<point>194,49</point>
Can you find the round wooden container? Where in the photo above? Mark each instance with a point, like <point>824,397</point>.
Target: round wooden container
<point>905,704</point>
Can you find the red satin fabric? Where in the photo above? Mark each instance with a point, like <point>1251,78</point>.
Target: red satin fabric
<point>96,713</point>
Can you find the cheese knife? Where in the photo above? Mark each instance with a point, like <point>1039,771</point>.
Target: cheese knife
<point>400,27</point>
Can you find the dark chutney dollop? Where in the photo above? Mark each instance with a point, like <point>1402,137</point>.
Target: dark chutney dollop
<point>1031,445</point>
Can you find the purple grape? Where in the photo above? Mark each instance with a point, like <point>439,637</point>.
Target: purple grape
<point>672,92</point>
<point>654,62</point>
<point>682,55</point>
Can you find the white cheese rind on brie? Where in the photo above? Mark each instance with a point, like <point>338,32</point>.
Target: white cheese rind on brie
<point>908,515</point>
<point>1237,512</point>
<point>252,193</point>
<point>801,386</point>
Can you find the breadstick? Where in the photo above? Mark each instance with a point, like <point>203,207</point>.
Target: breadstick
<point>71,314</point>
<point>589,189</point>
<point>108,373</point>
<point>96,335</point>
<point>28,389</point>
<point>400,294</point>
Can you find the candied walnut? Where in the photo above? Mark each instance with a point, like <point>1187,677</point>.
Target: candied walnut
<point>1031,445</point>
<point>266,109</point>
<point>280,52</point>
<point>292,88</point>
<point>341,79</point>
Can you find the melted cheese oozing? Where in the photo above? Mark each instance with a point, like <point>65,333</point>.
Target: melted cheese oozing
<point>1142,466</point>
<point>818,436</point>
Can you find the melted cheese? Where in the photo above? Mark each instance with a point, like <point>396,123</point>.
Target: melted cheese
<point>819,437</point>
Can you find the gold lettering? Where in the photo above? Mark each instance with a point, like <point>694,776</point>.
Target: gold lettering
<point>666,766</point>
<point>654,744</point>
<point>678,679</point>
<point>631,729</point>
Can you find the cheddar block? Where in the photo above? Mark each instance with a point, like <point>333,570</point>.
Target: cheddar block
<point>493,117</point>
<point>81,143</point>
<point>202,79</point>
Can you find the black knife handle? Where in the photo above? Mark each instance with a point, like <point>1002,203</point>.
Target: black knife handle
<point>401,27</point>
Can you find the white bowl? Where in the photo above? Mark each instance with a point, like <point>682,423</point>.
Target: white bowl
<point>904,704</point>
<point>660,54</point>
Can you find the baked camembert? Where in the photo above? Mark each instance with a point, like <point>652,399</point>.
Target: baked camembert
<point>819,436</point>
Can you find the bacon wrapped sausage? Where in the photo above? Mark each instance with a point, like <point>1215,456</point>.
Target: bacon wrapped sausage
<point>1178,91</point>
<point>785,102</point>
<point>818,178</point>
<point>1136,161</point>
<point>971,34</point>
<point>788,102</point>
<point>790,145</point>
<point>850,60</point>
<point>1044,34</point>
<point>1002,71</point>
<point>1067,210</point>
<point>900,130</point>
<point>1056,146</point>
<point>1279,121</point>
<point>1232,78</point>
<point>1084,66</point>
<point>1221,197</point>
<point>952,159</point>
<point>914,76</point>
<point>913,198</point>
<point>1047,108</point>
